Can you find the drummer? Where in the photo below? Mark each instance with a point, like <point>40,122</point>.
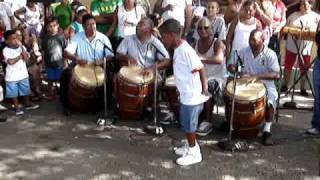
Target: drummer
<point>88,47</point>
<point>261,63</point>
<point>143,49</point>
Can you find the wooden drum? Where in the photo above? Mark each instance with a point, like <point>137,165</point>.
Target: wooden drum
<point>134,89</point>
<point>83,94</point>
<point>172,95</point>
<point>250,106</point>
<point>300,34</point>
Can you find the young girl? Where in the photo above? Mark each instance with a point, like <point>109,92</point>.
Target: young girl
<point>32,18</point>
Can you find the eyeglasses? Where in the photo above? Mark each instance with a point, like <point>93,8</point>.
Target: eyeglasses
<point>203,27</point>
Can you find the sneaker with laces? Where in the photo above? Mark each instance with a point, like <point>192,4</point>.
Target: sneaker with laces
<point>204,128</point>
<point>32,106</point>
<point>313,131</point>
<point>19,111</point>
<point>193,156</point>
<point>182,150</point>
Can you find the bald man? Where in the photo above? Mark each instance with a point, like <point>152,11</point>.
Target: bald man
<point>261,63</point>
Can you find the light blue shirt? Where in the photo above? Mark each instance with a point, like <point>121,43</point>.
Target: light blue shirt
<point>90,51</point>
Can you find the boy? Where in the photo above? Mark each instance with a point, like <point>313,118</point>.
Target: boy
<point>191,81</point>
<point>53,45</point>
<point>17,78</point>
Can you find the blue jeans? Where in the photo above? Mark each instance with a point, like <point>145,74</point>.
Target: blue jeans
<point>316,86</point>
<point>189,115</point>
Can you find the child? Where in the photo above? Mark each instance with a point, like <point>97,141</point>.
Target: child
<point>17,81</point>
<point>53,45</point>
<point>77,26</point>
<point>191,81</point>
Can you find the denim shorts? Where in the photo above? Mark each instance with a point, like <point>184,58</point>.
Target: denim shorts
<point>17,88</point>
<point>54,74</point>
<point>189,115</point>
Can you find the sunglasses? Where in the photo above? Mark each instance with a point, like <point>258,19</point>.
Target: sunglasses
<point>203,27</point>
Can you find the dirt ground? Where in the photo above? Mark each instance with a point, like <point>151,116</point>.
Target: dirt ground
<point>46,145</point>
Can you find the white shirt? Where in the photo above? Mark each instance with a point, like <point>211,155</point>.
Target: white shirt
<point>214,71</point>
<point>185,59</point>
<point>242,35</point>
<point>16,4</point>
<point>128,20</point>
<point>309,21</point>
<point>5,14</point>
<point>145,53</point>
<point>178,12</point>
<point>32,17</point>
<point>17,71</point>
<point>90,50</point>
<point>265,62</point>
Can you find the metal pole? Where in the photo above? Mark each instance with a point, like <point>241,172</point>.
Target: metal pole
<point>155,96</point>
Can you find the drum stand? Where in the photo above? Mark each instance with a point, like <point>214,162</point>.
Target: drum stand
<point>106,119</point>
<point>229,144</point>
<point>292,104</point>
<point>155,129</point>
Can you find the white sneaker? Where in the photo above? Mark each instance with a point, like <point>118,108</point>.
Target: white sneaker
<point>182,150</point>
<point>204,128</point>
<point>313,131</point>
<point>193,156</point>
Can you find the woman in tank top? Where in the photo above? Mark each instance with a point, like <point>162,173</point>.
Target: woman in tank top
<point>211,52</point>
<point>241,27</point>
<point>32,18</point>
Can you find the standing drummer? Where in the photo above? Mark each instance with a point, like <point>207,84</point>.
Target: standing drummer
<point>88,47</point>
<point>261,63</point>
<point>307,20</point>
<point>143,49</point>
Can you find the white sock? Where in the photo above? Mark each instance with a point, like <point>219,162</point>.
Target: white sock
<point>267,126</point>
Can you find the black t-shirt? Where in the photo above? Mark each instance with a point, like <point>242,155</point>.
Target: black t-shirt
<point>53,47</point>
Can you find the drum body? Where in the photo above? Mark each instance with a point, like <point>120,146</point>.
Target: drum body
<point>134,90</point>
<point>250,105</point>
<point>84,87</point>
<point>172,95</point>
<point>301,34</point>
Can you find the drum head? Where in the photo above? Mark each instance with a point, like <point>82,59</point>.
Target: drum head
<point>89,75</point>
<point>170,82</point>
<point>247,89</point>
<point>134,74</point>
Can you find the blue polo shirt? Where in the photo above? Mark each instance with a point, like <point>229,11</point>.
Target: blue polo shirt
<point>90,51</point>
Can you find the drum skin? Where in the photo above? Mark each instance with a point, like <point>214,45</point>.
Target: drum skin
<point>84,97</point>
<point>248,115</point>
<point>132,97</point>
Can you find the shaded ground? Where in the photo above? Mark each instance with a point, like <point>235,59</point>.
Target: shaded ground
<point>43,144</point>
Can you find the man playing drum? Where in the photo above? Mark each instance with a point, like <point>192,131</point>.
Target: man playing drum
<point>143,49</point>
<point>261,63</point>
<point>88,47</point>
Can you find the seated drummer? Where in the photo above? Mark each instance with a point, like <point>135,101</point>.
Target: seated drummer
<point>143,49</point>
<point>211,53</point>
<point>261,63</point>
<point>88,47</point>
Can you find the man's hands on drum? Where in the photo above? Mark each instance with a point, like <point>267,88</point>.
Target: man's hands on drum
<point>132,61</point>
<point>149,70</point>
<point>251,77</point>
<point>81,62</point>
